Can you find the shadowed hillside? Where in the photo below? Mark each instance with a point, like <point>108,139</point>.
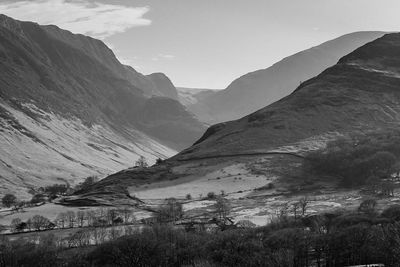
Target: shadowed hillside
<point>260,88</point>
<point>69,109</point>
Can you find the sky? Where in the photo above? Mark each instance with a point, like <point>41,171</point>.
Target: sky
<point>208,43</point>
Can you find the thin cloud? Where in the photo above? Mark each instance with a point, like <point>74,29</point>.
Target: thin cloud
<point>167,56</point>
<point>79,16</point>
<point>163,56</point>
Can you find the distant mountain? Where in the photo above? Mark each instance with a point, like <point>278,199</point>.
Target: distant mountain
<point>70,109</point>
<point>193,99</point>
<point>357,95</point>
<point>163,86</point>
<point>190,96</point>
<point>263,87</point>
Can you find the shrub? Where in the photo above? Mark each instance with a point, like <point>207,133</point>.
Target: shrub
<point>56,189</point>
<point>392,212</point>
<point>367,206</point>
<point>9,200</point>
<point>38,198</point>
<point>211,195</point>
<point>16,224</point>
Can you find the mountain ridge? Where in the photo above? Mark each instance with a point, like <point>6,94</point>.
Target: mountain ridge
<point>259,88</point>
<point>50,82</point>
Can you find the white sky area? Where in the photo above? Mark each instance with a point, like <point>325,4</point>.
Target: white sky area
<point>208,43</point>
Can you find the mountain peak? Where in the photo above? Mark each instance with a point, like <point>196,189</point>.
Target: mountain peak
<point>11,25</point>
<point>260,88</point>
<point>72,109</point>
<point>359,93</point>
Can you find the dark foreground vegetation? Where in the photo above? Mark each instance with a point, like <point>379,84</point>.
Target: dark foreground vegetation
<point>360,159</point>
<point>331,239</point>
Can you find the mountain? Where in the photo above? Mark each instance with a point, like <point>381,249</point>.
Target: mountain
<point>358,94</point>
<point>157,84</point>
<point>190,96</point>
<point>163,86</point>
<point>193,99</point>
<point>260,88</point>
<point>70,109</point>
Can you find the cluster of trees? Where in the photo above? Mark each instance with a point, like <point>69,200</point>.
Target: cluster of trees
<point>95,218</point>
<point>36,223</point>
<point>71,219</point>
<point>44,194</point>
<point>40,195</point>
<point>358,159</point>
<point>340,238</point>
<point>297,209</point>
<point>89,181</point>
<point>142,162</point>
<point>49,193</point>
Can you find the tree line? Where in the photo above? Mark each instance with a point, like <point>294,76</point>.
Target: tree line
<point>71,219</point>
<point>338,238</point>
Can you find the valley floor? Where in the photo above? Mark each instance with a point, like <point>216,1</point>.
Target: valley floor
<point>258,188</point>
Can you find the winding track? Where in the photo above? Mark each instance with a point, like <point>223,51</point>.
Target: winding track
<point>242,155</point>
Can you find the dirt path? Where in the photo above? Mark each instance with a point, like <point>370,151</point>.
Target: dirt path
<point>243,155</point>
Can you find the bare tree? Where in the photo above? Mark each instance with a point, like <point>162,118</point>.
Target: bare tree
<point>61,219</point>
<point>295,208</point>
<point>70,218</point>
<point>102,216</point>
<point>29,224</point>
<point>80,218</point>
<point>39,222</point>
<point>171,211</point>
<point>304,201</point>
<point>282,212</point>
<point>111,215</point>
<point>15,224</point>
<point>91,217</point>
<point>127,215</point>
<point>222,207</point>
<point>141,162</point>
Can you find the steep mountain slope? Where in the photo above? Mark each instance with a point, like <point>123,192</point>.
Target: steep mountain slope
<point>154,84</point>
<point>260,88</point>
<point>163,86</point>
<point>358,94</point>
<point>69,109</point>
